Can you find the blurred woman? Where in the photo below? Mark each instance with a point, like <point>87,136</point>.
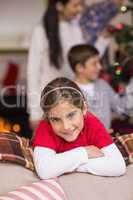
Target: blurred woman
<point>51,40</point>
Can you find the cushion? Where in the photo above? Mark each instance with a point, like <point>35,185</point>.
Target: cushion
<point>8,173</point>
<point>16,149</point>
<point>122,150</point>
<point>125,145</point>
<point>42,190</point>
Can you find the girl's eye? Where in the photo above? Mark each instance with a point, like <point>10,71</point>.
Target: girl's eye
<point>54,119</point>
<point>70,115</point>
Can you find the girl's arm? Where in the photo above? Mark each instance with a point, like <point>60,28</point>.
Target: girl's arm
<point>50,164</point>
<point>112,164</point>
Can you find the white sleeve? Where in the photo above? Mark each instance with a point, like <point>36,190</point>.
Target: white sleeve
<point>50,164</point>
<point>112,164</point>
<point>36,53</point>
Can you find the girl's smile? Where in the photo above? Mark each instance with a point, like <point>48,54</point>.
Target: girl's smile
<point>69,132</point>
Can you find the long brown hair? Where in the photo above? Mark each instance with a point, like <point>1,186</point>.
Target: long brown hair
<point>50,23</point>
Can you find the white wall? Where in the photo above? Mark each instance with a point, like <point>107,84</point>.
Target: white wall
<point>19,15</point>
<point>17,19</point>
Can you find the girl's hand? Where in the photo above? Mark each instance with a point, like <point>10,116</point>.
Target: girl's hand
<point>93,152</point>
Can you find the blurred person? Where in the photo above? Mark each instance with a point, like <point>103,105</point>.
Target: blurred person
<point>101,97</point>
<point>50,42</point>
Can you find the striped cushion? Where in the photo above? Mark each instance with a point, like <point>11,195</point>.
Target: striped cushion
<point>42,190</point>
<point>122,149</point>
<point>127,142</point>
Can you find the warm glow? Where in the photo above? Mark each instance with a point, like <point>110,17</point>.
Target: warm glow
<point>16,128</point>
<point>6,126</point>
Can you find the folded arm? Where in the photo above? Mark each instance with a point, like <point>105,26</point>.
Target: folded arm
<point>49,164</point>
<point>111,164</point>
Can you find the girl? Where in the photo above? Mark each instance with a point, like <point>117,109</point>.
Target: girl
<point>50,43</point>
<point>70,138</point>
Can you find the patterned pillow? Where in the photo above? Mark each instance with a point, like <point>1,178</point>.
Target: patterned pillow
<point>125,145</point>
<point>42,190</point>
<point>16,149</point>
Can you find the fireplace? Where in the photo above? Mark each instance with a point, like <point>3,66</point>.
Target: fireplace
<point>14,117</point>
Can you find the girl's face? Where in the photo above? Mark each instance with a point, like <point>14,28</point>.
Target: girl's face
<point>71,9</point>
<point>67,120</point>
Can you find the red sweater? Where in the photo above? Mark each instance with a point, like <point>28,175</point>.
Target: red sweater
<point>93,133</point>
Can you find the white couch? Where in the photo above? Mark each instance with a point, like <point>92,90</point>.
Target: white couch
<point>77,186</point>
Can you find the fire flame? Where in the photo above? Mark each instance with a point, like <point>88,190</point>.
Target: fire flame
<point>6,126</point>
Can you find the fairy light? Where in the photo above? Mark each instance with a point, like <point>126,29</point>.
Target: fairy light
<point>118,72</point>
<point>119,68</point>
<point>116,63</point>
<point>120,26</point>
<point>123,8</point>
<point>16,128</point>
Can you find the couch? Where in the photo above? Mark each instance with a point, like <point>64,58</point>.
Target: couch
<point>77,186</point>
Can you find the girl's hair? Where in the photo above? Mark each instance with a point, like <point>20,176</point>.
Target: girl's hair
<point>51,26</point>
<point>61,89</point>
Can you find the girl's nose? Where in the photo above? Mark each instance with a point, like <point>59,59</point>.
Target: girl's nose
<point>66,125</point>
